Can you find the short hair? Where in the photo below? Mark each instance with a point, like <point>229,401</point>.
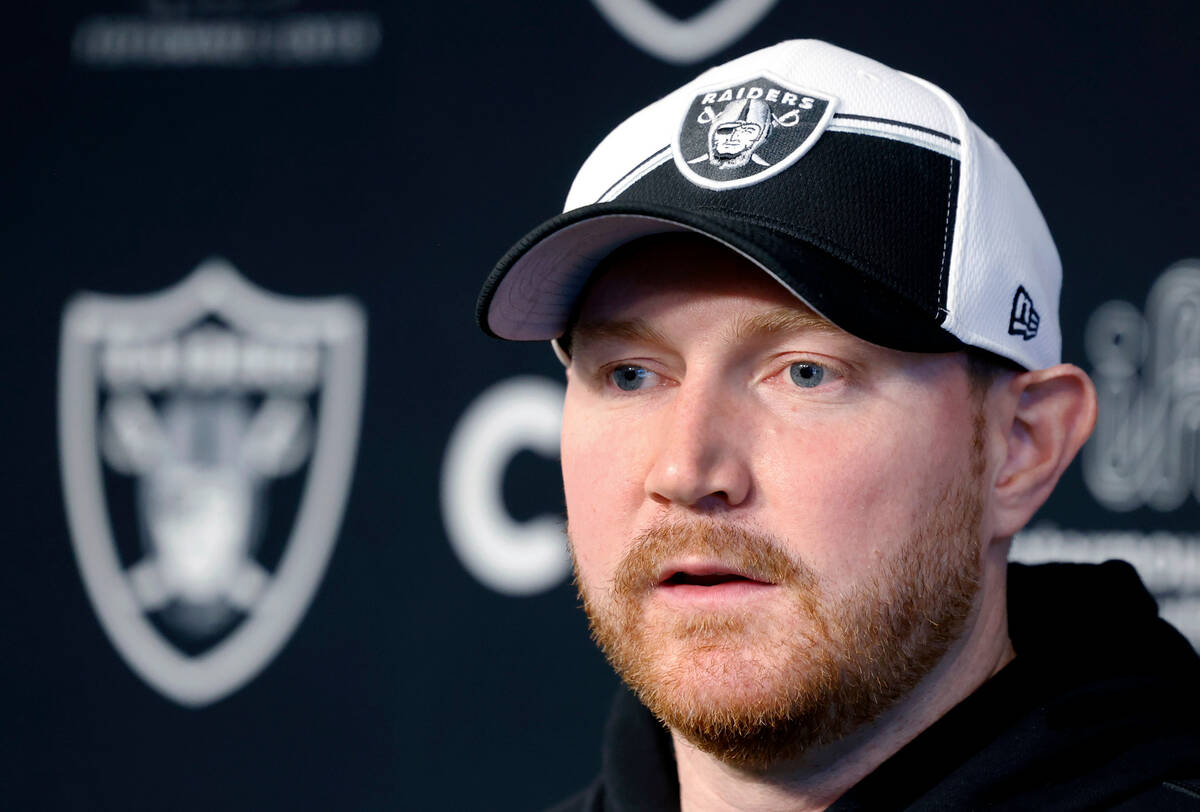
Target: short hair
<point>985,368</point>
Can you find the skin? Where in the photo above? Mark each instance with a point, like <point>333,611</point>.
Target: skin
<point>842,473</point>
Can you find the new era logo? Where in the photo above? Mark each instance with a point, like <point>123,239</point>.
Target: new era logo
<point>1023,321</point>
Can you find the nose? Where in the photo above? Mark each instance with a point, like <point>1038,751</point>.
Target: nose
<point>699,460</point>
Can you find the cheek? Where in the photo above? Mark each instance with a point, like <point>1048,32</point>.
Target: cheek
<point>824,492</point>
<point>847,495</point>
<point>603,493</point>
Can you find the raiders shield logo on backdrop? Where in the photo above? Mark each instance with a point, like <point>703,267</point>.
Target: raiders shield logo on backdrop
<point>207,437</point>
<point>656,32</point>
<point>740,133</point>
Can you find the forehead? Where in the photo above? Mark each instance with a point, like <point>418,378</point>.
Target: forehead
<point>687,293</point>
<point>704,289</point>
<point>678,269</point>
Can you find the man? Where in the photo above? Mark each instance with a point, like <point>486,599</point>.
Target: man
<point>810,399</point>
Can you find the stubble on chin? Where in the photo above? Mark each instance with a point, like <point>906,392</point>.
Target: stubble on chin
<point>755,688</point>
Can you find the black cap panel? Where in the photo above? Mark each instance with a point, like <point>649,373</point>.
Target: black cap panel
<point>883,206</point>
<point>859,230</point>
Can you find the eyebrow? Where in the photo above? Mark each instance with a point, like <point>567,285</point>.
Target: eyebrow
<point>625,329</point>
<point>781,320</point>
<point>771,322</point>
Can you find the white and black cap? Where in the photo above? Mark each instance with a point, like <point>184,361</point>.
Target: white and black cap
<point>865,191</point>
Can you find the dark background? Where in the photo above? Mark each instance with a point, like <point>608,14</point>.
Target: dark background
<point>399,178</point>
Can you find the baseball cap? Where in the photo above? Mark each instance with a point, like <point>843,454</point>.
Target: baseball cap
<point>865,191</point>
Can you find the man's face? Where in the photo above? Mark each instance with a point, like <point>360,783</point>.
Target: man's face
<point>775,524</point>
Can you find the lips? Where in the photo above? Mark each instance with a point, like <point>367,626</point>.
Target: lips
<point>713,579</point>
<point>704,575</point>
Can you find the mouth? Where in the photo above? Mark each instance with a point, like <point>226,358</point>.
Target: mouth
<point>707,581</point>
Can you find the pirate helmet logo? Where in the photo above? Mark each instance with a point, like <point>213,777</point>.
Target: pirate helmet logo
<point>739,133</point>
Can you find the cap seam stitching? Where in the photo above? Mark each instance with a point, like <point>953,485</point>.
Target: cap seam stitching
<point>943,271</point>
<point>640,165</point>
<point>897,123</point>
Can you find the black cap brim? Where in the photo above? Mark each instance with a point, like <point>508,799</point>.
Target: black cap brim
<point>532,292</point>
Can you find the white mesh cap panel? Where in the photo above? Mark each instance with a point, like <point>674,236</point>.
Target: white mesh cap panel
<point>634,140</point>
<point>1001,243</point>
<point>864,86</point>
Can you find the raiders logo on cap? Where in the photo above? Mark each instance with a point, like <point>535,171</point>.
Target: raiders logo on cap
<point>736,134</point>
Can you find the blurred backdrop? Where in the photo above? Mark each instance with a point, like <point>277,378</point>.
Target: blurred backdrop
<point>282,528</point>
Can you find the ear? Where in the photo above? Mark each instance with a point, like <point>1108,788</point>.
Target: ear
<point>1046,415</point>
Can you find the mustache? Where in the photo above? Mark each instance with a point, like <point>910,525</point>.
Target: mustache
<point>756,555</point>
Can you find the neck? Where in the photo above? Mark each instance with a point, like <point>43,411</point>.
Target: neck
<point>817,778</point>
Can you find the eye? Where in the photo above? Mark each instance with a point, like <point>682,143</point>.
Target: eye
<point>631,378</point>
<point>806,374</point>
